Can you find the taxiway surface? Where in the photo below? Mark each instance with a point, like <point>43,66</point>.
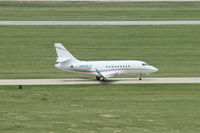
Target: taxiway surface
<point>93,81</point>
<point>109,0</point>
<point>100,22</point>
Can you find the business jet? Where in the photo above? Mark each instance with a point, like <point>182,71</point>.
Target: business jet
<point>101,69</point>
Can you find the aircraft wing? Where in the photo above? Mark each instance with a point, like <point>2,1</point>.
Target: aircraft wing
<point>106,74</point>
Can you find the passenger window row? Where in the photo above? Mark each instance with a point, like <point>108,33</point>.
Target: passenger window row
<point>119,66</point>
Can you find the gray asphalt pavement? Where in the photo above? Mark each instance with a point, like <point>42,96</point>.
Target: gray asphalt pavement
<point>99,22</point>
<point>104,0</point>
<point>93,81</point>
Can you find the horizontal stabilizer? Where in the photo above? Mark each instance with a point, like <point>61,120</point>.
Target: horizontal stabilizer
<point>62,59</point>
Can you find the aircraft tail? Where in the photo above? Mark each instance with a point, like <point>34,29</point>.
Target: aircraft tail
<point>63,54</point>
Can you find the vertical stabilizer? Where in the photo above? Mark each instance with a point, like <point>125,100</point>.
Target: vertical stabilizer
<point>63,54</point>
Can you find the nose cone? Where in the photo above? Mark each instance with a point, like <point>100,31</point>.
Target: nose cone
<point>57,65</point>
<point>154,69</point>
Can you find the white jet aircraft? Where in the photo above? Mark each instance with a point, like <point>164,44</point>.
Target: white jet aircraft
<point>101,69</point>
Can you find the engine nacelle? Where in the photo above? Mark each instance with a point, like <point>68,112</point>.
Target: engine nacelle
<point>81,66</point>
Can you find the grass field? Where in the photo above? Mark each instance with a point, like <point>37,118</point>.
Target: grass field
<point>161,108</point>
<point>99,11</point>
<point>28,52</point>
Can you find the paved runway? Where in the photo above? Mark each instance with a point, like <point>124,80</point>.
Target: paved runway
<point>104,0</point>
<point>99,22</point>
<point>93,81</point>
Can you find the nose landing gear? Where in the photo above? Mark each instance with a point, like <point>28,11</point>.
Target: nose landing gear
<point>140,76</point>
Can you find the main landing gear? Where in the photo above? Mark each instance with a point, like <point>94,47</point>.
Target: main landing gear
<point>99,78</point>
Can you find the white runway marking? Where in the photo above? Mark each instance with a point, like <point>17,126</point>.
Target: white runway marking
<point>93,81</point>
<point>99,22</point>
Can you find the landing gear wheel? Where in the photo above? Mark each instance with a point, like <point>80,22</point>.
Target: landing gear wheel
<point>104,80</point>
<point>140,77</point>
<point>98,78</point>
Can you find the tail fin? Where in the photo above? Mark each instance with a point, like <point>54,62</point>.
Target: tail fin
<point>63,54</point>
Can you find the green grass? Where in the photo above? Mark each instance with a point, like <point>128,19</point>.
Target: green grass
<point>99,11</point>
<point>158,108</point>
<point>28,52</point>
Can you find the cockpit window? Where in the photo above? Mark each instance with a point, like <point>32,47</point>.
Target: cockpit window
<point>144,64</point>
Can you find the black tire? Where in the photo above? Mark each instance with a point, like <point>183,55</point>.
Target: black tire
<point>104,80</point>
<point>140,77</point>
<point>98,78</point>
